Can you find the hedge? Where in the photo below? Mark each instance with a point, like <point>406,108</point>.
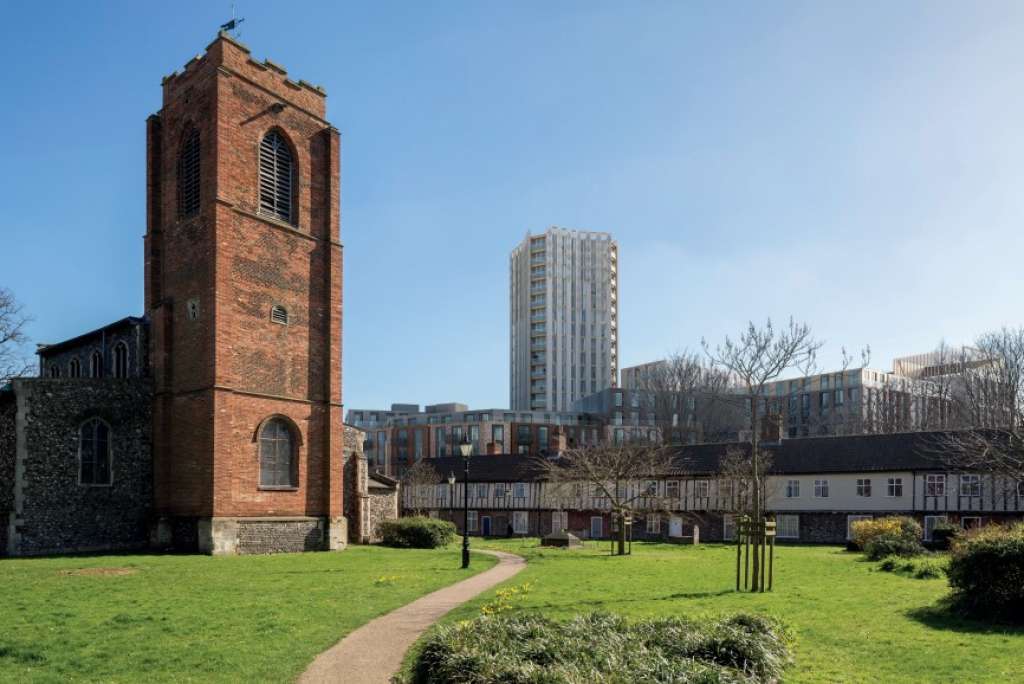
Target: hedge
<point>416,533</point>
<point>601,647</point>
<point>986,572</point>
<point>889,536</point>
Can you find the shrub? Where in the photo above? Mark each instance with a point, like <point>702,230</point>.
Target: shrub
<point>943,535</point>
<point>600,647</point>
<point>417,533</point>
<point>986,572</point>
<point>893,545</point>
<point>889,563</point>
<point>928,569</point>
<point>864,531</point>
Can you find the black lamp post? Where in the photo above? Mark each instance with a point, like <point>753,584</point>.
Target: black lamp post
<point>451,496</point>
<point>465,449</point>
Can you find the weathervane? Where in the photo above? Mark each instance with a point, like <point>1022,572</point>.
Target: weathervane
<point>233,24</point>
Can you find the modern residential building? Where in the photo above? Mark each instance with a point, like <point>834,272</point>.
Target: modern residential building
<point>563,306</point>
<point>403,435</point>
<point>815,489</point>
<point>913,396</point>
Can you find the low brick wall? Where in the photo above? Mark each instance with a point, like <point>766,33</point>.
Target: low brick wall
<point>280,536</point>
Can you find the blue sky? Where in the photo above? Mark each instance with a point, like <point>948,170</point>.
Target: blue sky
<point>858,167</point>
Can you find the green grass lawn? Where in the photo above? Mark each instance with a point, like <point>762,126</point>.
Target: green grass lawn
<point>852,622</point>
<point>196,618</point>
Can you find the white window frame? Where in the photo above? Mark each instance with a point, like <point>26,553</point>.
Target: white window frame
<point>935,485</point>
<point>473,521</point>
<point>600,526</point>
<point>850,519</point>
<point>864,487</point>
<point>821,489</point>
<point>729,527</point>
<point>973,482</point>
<point>792,489</point>
<point>653,523</point>
<point>892,485</point>
<point>519,490</point>
<point>520,522</point>
<point>965,518</point>
<point>651,488</point>
<point>701,489</point>
<point>499,490</point>
<point>782,523</point>
<point>929,529</point>
<point>559,521</point>
<point>674,485</point>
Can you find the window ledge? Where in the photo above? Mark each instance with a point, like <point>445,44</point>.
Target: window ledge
<point>278,488</point>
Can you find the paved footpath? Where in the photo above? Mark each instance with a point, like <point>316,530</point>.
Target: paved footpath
<point>373,653</point>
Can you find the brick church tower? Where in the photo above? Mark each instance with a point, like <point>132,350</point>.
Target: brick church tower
<point>243,291</point>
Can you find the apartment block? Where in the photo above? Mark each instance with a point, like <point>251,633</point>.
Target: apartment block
<point>563,306</point>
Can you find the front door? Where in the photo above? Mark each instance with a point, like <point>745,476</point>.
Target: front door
<point>485,526</point>
<point>597,527</point>
<point>675,526</point>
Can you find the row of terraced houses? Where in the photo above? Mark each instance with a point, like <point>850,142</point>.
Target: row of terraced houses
<point>815,489</point>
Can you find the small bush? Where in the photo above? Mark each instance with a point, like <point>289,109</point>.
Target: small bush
<point>929,569</point>
<point>417,533</point>
<point>604,648</point>
<point>943,535</point>
<point>986,572</point>
<point>864,531</point>
<point>893,545</point>
<point>889,563</point>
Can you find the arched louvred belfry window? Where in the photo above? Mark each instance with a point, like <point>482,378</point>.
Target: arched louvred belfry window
<point>94,453</point>
<point>277,455</point>
<point>121,360</point>
<point>277,175</point>
<point>188,175</point>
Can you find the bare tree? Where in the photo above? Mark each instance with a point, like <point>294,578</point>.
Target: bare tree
<point>682,396</point>
<point>420,482</point>
<point>13,320</point>
<point>990,407</point>
<point>757,357</point>
<point>616,474</point>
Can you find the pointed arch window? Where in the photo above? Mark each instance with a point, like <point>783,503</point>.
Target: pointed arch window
<point>277,174</point>
<point>94,453</point>
<point>54,371</point>
<point>75,368</point>
<point>96,365</point>
<point>188,175</point>
<point>278,460</point>
<point>120,360</point>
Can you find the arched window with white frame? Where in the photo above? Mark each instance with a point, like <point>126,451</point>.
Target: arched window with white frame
<point>94,454</point>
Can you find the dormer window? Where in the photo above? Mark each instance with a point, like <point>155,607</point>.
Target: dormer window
<point>276,177</point>
<point>188,175</point>
<point>279,315</point>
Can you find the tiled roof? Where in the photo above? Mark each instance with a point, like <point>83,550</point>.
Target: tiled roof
<point>847,454</point>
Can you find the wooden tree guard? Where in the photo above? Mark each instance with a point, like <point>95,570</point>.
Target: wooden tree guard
<point>762,538</point>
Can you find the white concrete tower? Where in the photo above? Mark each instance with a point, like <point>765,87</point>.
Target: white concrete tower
<point>563,314</point>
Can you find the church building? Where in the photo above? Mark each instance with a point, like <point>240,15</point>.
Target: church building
<point>214,421</point>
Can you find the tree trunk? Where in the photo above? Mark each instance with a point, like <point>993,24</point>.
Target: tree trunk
<point>757,521</point>
<point>622,534</point>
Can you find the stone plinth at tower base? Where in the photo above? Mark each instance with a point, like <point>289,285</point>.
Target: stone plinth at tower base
<point>284,534</point>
